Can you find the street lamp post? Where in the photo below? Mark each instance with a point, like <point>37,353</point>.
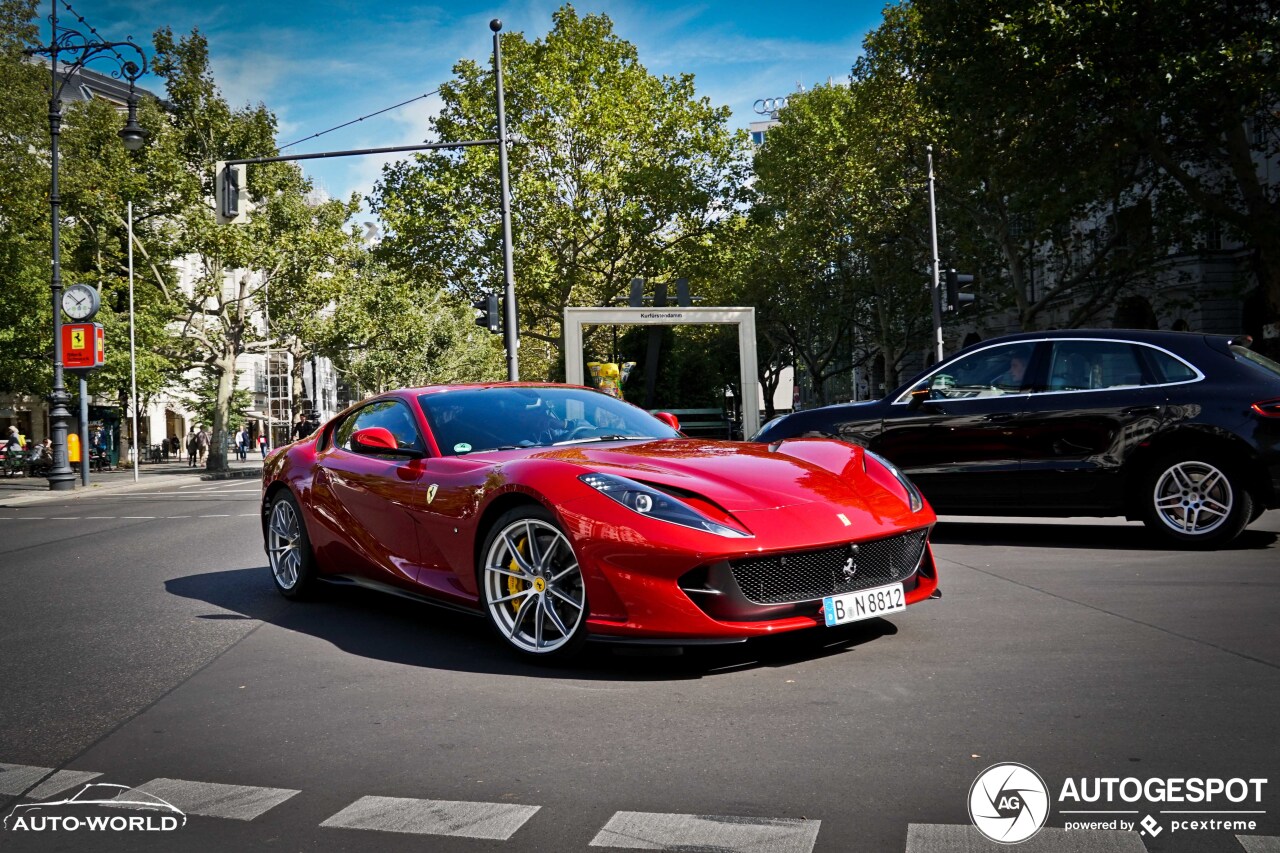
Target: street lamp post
<point>85,49</point>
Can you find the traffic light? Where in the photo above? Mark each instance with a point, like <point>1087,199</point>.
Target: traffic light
<point>230,194</point>
<point>955,298</point>
<point>487,314</point>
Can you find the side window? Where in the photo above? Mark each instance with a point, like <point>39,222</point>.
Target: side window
<point>1091,365</point>
<point>392,415</point>
<point>991,372</point>
<point>1168,368</point>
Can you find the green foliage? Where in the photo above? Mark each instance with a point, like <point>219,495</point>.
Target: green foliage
<point>834,250</point>
<point>1061,114</point>
<point>386,331</point>
<point>203,400</point>
<point>25,303</point>
<point>615,173</point>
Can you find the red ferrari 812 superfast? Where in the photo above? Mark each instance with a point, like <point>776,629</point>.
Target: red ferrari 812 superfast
<point>561,513</point>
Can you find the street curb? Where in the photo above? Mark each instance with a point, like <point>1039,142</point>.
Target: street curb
<point>147,481</point>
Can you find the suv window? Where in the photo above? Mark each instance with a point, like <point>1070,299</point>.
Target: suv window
<point>392,415</point>
<point>1088,365</point>
<point>989,372</point>
<point>1171,369</point>
<point>1261,361</point>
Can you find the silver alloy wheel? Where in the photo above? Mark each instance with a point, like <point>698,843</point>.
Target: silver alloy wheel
<point>284,535</point>
<point>533,586</point>
<point>1193,498</point>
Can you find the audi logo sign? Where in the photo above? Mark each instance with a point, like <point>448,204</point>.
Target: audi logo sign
<point>769,106</point>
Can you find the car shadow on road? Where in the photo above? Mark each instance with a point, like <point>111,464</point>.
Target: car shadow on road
<point>1075,534</point>
<point>386,628</point>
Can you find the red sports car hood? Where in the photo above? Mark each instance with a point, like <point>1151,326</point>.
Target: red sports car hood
<point>739,477</point>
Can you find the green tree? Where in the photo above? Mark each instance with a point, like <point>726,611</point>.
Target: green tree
<point>101,179</point>
<point>25,305</point>
<point>615,173</point>
<point>236,267</point>
<point>386,332</point>
<point>835,246</point>
<point>1097,114</point>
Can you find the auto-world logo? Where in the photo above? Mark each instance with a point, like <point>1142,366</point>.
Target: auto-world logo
<point>1008,803</point>
<point>98,807</point>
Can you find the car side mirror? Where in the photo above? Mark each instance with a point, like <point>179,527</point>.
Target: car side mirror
<point>379,440</point>
<point>668,419</point>
<point>919,397</point>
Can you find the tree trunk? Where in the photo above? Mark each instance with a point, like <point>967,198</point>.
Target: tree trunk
<point>225,368</point>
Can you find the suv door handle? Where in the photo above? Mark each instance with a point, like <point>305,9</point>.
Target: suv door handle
<point>1133,411</point>
<point>999,418</point>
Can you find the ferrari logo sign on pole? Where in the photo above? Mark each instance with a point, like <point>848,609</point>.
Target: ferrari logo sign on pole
<point>83,346</point>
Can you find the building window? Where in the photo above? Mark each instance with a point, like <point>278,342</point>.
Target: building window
<point>757,137</point>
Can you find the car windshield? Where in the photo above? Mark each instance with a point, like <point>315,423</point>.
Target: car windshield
<point>1260,360</point>
<point>468,420</point>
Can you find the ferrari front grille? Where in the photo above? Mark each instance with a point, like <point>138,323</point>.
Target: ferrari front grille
<point>811,575</point>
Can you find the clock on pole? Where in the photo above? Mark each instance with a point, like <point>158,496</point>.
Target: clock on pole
<point>80,302</point>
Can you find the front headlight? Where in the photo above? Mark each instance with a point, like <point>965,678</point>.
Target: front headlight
<point>650,502</point>
<point>913,494</point>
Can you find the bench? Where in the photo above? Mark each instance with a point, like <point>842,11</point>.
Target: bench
<point>702,423</point>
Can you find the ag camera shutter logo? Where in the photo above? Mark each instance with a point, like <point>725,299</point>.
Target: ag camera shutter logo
<point>1008,803</point>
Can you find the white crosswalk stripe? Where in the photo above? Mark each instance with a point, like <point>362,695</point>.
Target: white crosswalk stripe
<point>648,831</point>
<point>962,838</point>
<point>15,779</point>
<point>62,781</point>
<point>237,802</point>
<point>494,821</point>
<point>1259,843</point>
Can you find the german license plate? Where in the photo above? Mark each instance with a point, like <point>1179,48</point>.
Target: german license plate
<point>864,604</point>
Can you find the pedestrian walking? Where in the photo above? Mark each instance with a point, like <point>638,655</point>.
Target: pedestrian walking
<point>202,445</point>
<point>242,443</point>
<point>299,428</point>
<point>193,448</point>
<point>262,445</point>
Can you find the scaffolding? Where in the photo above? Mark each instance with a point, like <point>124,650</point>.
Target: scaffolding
<point>279,398</point>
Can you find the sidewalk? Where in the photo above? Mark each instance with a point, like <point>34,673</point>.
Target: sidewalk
<point>23,491</point>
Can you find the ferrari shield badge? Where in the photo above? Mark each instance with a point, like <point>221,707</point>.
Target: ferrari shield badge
<point>431,492</point>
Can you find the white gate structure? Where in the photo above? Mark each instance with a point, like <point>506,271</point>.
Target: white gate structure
<point>743,318</point>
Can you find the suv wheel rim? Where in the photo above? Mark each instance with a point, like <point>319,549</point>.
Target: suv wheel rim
<point>1193,498</point>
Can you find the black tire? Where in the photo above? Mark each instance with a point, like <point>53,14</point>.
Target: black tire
<point>1195,500</point>
<point>289,555</point>
<point>527,566</point>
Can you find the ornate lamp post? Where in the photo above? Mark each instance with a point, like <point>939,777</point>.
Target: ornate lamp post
<point>85,49</point>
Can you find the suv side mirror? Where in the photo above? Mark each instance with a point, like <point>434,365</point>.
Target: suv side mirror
<point>919,396</point>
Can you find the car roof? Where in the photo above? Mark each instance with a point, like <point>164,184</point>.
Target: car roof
<point>472,386</point>
<point>1151,335</point>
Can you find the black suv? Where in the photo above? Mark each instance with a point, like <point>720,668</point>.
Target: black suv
<point>1179,430</point>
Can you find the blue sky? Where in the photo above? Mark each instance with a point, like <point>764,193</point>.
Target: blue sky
<point>319,64</point>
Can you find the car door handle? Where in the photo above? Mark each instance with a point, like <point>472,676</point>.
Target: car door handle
<point>322,477</point>
<point>1134,411</point>
<point>1000,418</point>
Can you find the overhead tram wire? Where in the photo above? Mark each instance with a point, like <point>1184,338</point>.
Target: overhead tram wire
<point>357,120</point>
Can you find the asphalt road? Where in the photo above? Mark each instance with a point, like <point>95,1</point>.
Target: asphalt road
<point>141,639</point>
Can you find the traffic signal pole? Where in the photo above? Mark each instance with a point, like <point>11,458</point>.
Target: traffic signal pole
<point>936,290</point>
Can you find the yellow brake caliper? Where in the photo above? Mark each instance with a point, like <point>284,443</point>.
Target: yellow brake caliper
<point>514,584</point>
